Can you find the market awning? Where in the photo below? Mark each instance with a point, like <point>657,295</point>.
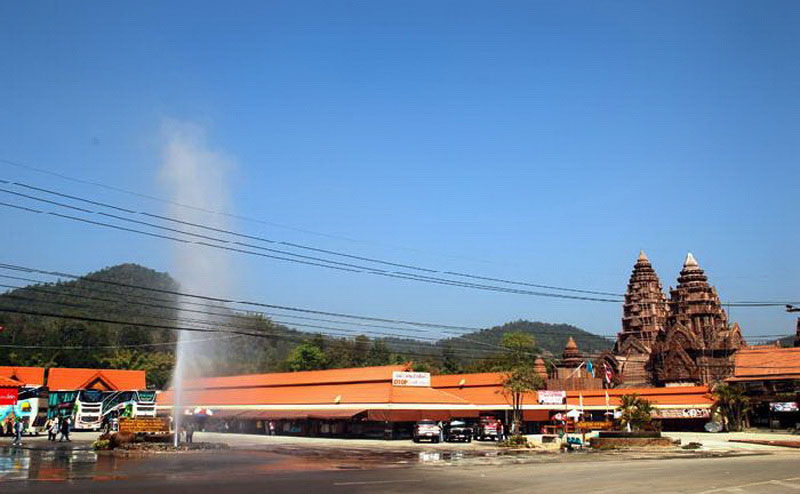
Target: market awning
<point>289,414</point>
<point>417,415</point>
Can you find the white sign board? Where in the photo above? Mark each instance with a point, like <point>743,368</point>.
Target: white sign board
<point>420,379</point>
<point>551,397</point>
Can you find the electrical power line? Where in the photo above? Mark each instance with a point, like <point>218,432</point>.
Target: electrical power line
<point>263,239</point>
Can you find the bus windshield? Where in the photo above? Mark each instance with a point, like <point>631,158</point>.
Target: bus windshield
<point>91,396</point>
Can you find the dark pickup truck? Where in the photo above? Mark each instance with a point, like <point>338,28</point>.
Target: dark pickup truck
<point>458,430</point>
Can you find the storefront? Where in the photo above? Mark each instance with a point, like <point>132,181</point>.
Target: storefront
<point>386,402</point>
<point>770,377</point>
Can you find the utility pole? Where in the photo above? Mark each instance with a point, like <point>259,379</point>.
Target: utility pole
<point>791,308</point>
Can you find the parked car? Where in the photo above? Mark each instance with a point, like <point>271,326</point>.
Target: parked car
<point>458,430</point>
<point>427,429</point>
<point>486,429</point>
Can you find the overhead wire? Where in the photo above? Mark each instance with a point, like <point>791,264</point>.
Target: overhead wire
<point>230,215</point>
<point>372,270</point>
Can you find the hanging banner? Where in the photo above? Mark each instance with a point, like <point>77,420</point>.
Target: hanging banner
<point>551,397</point>
<point>682,413</point>
<point>417,379</point>
<point>784,406</point>
<point>9,396</point>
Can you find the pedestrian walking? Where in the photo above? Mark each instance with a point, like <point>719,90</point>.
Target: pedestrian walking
<point>65,423</point>
<point>17,432</point>
<point>501,432</point>
<point>271,427</point>
<point>52,429</point>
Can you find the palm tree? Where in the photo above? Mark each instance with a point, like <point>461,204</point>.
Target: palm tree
<point>731,404</point>
<point>636,411</point>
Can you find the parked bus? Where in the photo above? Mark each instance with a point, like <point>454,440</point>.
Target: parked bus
<point>84,407</point>
<point>31,407</point>
<point>131,404</point>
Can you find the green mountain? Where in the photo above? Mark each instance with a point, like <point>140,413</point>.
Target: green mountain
<point>551,338</point>
<point>71,324</point>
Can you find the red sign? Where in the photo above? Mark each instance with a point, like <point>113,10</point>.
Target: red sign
<point>8,396</point>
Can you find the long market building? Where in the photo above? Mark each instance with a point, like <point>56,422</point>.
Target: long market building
<point>386,401</point>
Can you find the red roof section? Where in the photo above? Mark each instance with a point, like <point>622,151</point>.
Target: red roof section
<point>60,378</point>
<point>28,376</point>
<point>758,363</point>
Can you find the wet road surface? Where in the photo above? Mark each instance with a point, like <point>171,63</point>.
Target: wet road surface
<point>49,468</point>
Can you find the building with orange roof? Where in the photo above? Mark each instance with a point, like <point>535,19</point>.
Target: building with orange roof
<point>28,376</point>
<point>769,376</point>
<point>370,401</point>
<point>62,378</point>
<point>385,401</point>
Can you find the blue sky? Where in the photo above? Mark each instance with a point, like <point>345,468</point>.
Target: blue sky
<point>546,142</point>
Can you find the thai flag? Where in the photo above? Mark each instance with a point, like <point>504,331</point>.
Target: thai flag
<point>608,373</point>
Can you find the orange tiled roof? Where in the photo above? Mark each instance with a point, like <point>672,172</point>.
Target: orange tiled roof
<point>330,387</point>
<point>675,395</point>
<point>323,394</point>
<point>112,379</point>
<point>756,363</point>
<point>467,380</point>
<point>485,388</point>
<point>331,376</point>
<point>28,376</point>
<point>9,383</point>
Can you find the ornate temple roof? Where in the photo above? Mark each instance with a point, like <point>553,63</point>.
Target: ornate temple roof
<point>572,357</point>
<point>697,344</point>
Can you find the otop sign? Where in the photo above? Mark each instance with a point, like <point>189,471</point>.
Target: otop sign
<point>419,379</point>
<point>551,397</point>
<point>8,396</point>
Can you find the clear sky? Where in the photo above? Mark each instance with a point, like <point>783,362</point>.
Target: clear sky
<point>539,141</point>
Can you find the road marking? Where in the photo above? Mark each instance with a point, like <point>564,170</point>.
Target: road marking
<point>784,484</point>
<point>739,488</point>
<point>368,482</point>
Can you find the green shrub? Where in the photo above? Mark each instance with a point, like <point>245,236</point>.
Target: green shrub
<point>514,442</point>
<point>101,444</point>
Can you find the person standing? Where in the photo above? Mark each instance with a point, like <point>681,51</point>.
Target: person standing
<point>17,432</point>
<point>189,431</point>
<point>271,427</point>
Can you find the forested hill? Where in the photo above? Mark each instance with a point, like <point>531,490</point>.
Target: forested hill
<point>551,338</point>
<point>89,337</point>
<point>85,339</point>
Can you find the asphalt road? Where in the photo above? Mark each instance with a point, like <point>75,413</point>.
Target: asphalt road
<point>262,471</point>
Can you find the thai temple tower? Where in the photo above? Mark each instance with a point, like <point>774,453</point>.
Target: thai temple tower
<point>540,368</point>
<point>572,357</point>
<point>697,345</point>
<point>644,315</point>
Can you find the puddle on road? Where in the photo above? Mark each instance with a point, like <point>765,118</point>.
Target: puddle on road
<point>51,464</point>
<point>67,463</point>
